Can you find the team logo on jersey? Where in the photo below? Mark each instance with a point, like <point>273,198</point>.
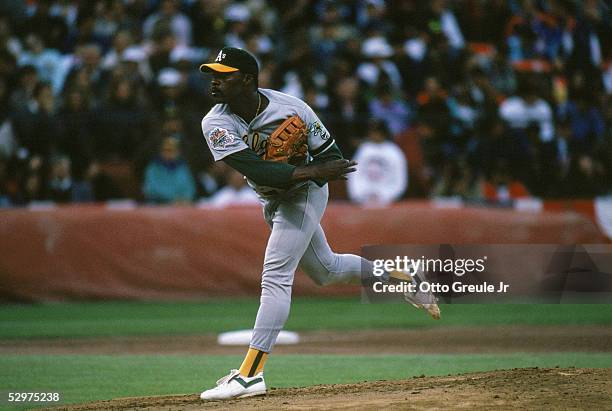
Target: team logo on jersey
<point>257,142</point>
<point>317,129</point>
<point>220,138</point>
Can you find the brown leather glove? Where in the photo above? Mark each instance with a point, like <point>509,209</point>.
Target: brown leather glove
<point>289,142</point>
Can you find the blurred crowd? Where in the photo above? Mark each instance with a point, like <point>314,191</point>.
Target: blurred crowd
<point>485,100</point>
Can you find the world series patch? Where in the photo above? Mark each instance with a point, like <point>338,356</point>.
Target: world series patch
<point>220,138</point>
<point>317,129</point>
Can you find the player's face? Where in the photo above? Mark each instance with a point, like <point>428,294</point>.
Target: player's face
<point>225,87</point>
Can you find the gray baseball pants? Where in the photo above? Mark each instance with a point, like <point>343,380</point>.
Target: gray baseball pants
<point>296,239</point>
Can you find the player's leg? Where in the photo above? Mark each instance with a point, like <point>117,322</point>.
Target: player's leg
<point>326,267</point>
<point>293,220</point>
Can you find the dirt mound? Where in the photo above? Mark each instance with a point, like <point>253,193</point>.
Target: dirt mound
<point>530,388</point>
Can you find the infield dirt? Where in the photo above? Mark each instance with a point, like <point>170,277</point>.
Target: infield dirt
<point>531,388</point>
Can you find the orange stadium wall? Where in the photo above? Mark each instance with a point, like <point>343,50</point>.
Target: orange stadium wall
<point>166,253</point>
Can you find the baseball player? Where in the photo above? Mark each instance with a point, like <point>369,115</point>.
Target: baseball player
<point>287,156</point>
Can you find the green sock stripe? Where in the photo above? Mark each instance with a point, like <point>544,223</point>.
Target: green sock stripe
<point>256,362</point>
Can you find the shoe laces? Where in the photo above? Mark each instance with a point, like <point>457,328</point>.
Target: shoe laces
<point>227,377</point>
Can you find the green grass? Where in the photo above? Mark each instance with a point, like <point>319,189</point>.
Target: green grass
<point>83,378</point>
<point>192,318</point>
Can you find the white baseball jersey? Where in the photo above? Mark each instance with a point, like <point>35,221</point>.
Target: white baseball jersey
<point>294,217</point>
<point>227,133</point>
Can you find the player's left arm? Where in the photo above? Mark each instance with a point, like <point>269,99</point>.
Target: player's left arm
<point>282,175</point>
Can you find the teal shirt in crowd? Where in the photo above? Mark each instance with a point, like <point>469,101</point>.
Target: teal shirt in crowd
<point>168,182</point>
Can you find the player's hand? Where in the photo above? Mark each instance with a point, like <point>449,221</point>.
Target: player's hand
<point>335,169</point>
<point>327,171</point>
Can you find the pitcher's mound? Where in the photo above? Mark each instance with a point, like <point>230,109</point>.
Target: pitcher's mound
<point>526,388</point>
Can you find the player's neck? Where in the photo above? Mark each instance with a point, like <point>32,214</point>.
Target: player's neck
<point>250,106</point>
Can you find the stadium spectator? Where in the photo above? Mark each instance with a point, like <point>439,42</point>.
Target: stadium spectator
<point>168,179</point>
<point>110,18</point>
<point>377,67</point>
<point>171,91</point>
<point>123,123</point>
<point>76,136</point>
<point>103,187</point>
<point>382,176</point>
<point>495,144</point>
<point>9,42</point>
<point>86,71</point>
<point>29,180</point>
<point>8,140</point>
<point>36,125</point>
<point>208,23</point>
<point>48,62</point>
<point>347,114</point>
<point>464,115</point>
<point>122,40</point>
<point>433,119</point>
<point>238,18</point>
<point>540,170</point>
<point>62,188</point>
<point>440,20</point>
<point>486,91</point>
<point>458,180</point>
<point>527,108</point>
<point>502,77</point>
<point>391,109</point>
<point>134,65</point>
<point>5,198</point>
<point>585,178</point>
<point>23,92</point>
<point>46,26</point>
<point>483,23</point>
<point>585,119</point>
<point>116,73</point>
<point>169,18</point>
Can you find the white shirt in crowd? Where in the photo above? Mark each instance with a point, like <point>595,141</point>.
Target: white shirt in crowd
<point>382,175</point>
<point>519,114</point>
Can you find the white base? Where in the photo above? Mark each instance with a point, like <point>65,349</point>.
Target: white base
<point>243,337</point>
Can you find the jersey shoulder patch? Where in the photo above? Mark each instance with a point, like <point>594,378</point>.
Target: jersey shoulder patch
<point>221,138</point>
<point>316,129</point>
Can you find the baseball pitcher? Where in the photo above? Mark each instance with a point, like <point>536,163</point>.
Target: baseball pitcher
<point>287,156</point>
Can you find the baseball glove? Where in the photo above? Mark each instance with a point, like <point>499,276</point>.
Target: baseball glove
<point>289,142</point>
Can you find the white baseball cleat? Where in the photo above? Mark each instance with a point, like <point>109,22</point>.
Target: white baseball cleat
<point>419,299</point>
<point>234,386</point>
